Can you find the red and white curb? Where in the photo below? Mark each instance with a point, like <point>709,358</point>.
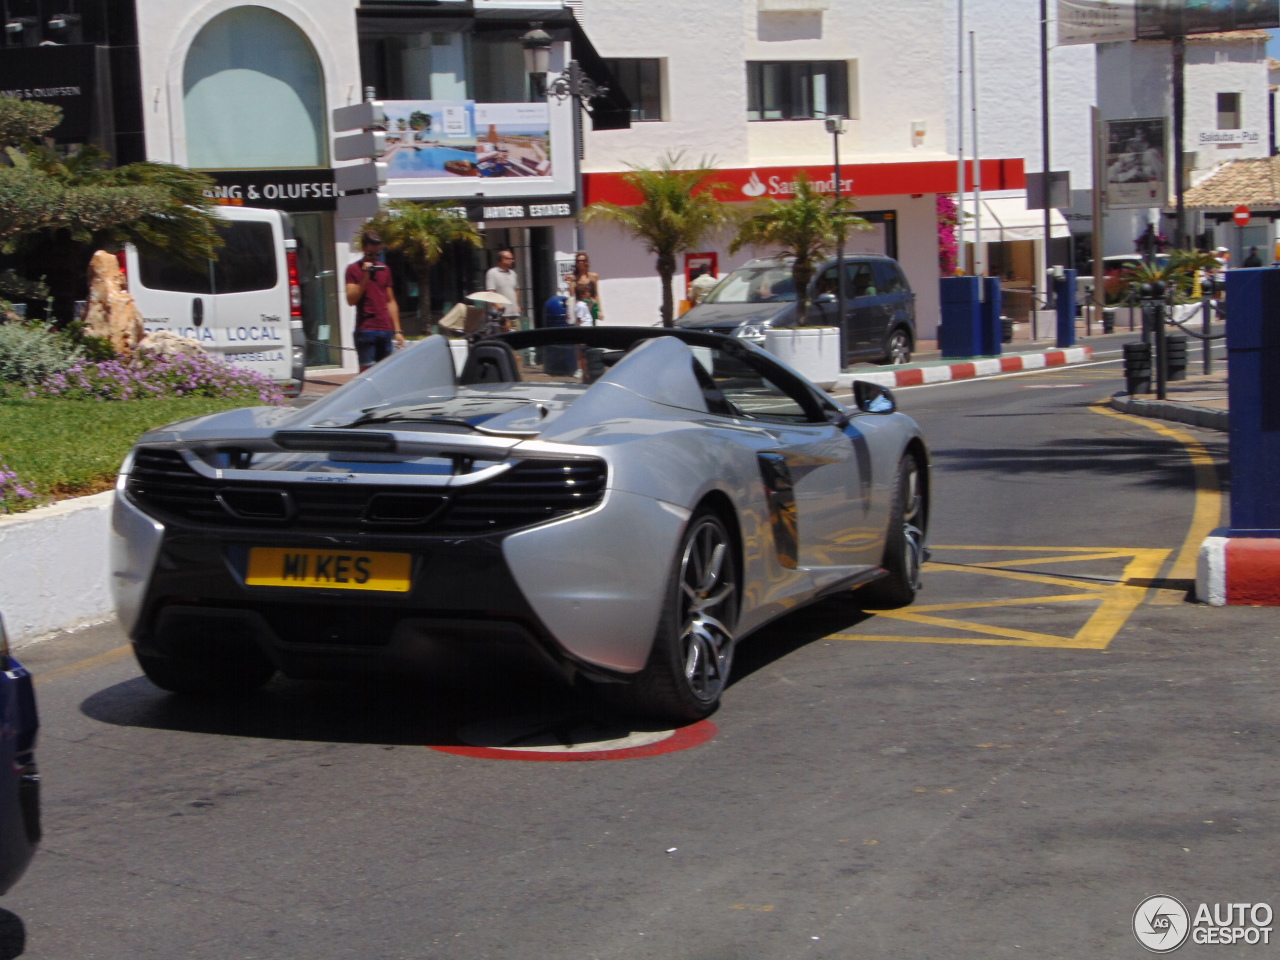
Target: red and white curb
<point>971,369</point>
<point>1239,571</point>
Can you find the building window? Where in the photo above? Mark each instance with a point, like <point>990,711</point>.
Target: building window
<point>253,94</point>
<point>641,80</point>
<point>1228,111</point>
<point>797,90</point>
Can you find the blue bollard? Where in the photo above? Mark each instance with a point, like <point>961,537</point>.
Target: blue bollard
<point>1065,292</point>
<point>992,307</point>
<point>1253,359</point>
<point>960,334</point>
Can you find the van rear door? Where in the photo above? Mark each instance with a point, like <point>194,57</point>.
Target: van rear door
<point>251,294</point>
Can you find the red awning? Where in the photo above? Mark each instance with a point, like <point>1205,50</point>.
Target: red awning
<point>857,180</point>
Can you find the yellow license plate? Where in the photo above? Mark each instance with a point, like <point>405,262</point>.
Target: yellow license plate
<point>330,569</point>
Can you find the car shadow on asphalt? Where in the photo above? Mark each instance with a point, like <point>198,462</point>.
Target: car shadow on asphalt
<point>1155,462</point>
<point>786,635</point>
<point>417,710</point>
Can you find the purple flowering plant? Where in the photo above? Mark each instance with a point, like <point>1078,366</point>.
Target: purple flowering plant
<point>158,376</point>
<point>948,248</point>
<point>12,490</point>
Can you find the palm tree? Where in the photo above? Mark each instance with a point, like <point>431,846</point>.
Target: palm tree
<point>806,227</point>
<point>420,232</point>
<point>679,209</point>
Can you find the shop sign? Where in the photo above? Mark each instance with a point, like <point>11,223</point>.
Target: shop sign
<point>1209,138</point>
<point>522,208</point>
<point>296,191</point>
<point>65,76</point>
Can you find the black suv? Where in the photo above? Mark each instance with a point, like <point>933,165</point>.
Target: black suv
<point>880,309</point>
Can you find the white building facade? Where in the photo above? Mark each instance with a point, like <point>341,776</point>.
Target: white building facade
<point>748,83</point>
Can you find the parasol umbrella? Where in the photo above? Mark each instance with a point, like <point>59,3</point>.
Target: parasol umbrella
<point>488,296</point>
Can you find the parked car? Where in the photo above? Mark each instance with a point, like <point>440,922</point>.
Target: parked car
<point>19,780</point>
<point>626,530</point>
<point>245,306</point>
<point>880,310</point>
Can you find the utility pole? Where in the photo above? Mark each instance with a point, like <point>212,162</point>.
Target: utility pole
<point>1044,126</point>
<point>960,177</point>
<point>1179,109</point>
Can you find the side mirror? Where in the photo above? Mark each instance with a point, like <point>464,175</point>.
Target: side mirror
<point>825,298</point>
<point>873,398</point>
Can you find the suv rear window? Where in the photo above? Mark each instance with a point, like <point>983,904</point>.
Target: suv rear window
<point>768,284</point>
<point>888,277</point>
<point>246,261</point>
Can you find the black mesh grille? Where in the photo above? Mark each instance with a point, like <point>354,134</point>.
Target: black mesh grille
<point>533,491</point>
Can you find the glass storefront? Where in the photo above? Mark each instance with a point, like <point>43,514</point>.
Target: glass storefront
<point>317,275</point>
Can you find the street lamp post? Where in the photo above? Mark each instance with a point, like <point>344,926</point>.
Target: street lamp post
<point>836,126</point>
<point>572,83</point>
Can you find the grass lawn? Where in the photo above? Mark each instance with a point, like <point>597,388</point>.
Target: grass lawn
<point>64,448</point>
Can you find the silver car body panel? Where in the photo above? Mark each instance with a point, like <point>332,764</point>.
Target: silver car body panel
<point>597,580</point>
<point>135,544</point>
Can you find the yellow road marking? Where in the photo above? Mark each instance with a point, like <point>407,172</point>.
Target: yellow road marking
<point>1207,515</point>
<point>1108,555</point>
<point>84,666</point>
<point>1116,601</point>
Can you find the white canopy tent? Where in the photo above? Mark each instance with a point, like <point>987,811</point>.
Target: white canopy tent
<point>1007,218</point>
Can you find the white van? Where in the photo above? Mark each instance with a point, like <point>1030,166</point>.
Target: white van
<point>245,307</point>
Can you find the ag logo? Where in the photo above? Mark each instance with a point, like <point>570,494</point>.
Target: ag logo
<point>1161,924</point>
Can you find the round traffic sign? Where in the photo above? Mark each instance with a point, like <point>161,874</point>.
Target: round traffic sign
<point>1241,216</point>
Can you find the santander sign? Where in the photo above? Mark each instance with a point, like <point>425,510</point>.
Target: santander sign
<point>783,186</point>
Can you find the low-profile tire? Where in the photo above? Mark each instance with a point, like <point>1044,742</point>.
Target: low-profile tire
<point>897,349</point>
<point>692,653</point>
<point>904,542</point>
<point>235,673</point>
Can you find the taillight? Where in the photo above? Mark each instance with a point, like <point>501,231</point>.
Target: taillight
<point>295,290</point>
<point>123,259</point>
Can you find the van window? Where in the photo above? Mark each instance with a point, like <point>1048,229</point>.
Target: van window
<point>888,278</point>
<point>863,282</point>
<point>166,273</point>
<point>764,284</point>
<point>246,261</point>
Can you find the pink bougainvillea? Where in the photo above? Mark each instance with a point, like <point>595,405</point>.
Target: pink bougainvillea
<point>948,249</point>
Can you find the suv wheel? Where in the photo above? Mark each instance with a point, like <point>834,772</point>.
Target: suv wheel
<point>897,349</point>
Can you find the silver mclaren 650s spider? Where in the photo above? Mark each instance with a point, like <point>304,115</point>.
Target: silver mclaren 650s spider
<point>621,504</point>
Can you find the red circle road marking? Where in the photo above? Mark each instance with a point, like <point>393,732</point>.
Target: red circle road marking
<point>683,738</point>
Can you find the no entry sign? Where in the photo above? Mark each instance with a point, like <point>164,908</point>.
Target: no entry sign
<point>1241,216</point>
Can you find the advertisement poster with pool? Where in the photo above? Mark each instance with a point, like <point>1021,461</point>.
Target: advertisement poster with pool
<point>430,139</point>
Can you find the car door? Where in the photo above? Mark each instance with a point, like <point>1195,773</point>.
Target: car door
<point>172,296</point>
<point>818,465</point>
<point>899,302</point>
<point>867,307</point>
<point>251,287</point>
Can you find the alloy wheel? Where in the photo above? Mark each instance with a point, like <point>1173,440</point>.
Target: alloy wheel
<point>707,610</point>
<point>912,521</point>
<point>899,348</point>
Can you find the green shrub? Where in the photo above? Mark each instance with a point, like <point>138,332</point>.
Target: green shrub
<point>31,353</point>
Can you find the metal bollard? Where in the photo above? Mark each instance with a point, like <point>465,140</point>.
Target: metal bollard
<point>1175,353</point>
<point>1137,368</point>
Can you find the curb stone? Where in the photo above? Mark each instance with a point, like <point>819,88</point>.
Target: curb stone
<point>1176,412</point>
<point>970,369</point>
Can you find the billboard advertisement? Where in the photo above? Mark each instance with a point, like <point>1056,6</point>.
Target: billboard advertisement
<point>455,139</point>
<point>1100,21</point>
<point>1136,163</point>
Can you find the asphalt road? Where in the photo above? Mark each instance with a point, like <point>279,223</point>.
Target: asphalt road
<point>1051,735</point>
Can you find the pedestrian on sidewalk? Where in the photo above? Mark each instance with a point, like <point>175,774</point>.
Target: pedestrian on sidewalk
<point>369,290</point>
<point>504,280</point>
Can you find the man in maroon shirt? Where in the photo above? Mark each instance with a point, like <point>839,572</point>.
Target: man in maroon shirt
<point>377,313</point>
